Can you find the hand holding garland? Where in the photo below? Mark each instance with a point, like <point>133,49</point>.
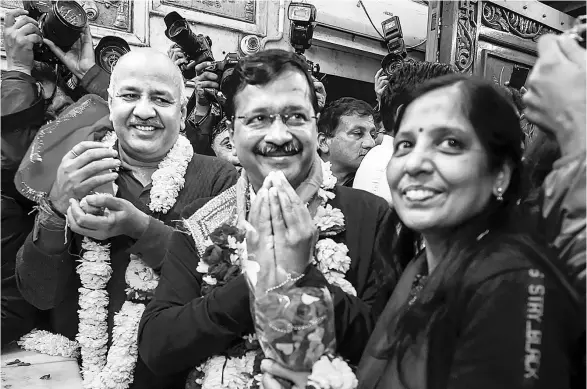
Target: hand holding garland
<point>84,168</point>
<point>120,217</point>
<point>329,372</point>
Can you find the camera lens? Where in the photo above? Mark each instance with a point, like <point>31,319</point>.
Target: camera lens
<point>176,28</point>
<point>64,24</point>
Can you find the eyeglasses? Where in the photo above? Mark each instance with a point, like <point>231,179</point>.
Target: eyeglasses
<point>263,121</point>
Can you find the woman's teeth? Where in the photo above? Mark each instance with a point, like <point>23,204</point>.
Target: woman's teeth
<point>145,128</point>
<point>419,194</point>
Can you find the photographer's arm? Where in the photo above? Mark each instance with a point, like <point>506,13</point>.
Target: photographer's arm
<point>96,81</point>
<point>23,107</point>
<point>80,60</point>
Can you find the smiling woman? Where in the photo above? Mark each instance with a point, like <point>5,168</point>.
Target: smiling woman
<point>480,305</point>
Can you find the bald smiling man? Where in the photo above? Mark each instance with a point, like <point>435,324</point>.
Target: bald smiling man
<point>146,109</point>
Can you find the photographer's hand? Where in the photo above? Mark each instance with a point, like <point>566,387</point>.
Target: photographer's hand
<point>19,38</point>
<point>177,55</point>
<point>204,80</point>
<point>380,83</point>
<point>80,58</point>
<point>320,92</point>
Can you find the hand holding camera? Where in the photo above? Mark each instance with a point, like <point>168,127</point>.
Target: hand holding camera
<point>21,33</point>
<point>320,92</point>
<point>179,57</point>
<point>80,58</point>
<point>206,84</point>
<point>381,82</point>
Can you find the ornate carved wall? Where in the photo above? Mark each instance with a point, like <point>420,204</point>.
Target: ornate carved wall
<point>466,35</point>
<point>488,38</point>
<point>501,19</point>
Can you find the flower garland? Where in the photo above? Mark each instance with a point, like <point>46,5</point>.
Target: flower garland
<point>223,261</point>
<point>103,368</point>
<point>331,372</point>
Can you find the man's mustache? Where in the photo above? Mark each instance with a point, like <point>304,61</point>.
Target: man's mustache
<point>270,150</point>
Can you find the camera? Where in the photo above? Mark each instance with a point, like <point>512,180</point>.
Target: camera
<point>62,22</point>
<point>313,68</point>
<point>196,47</point>
<point>394,41</point>
<point>394,37</point>
<point>223,69</point>
<point>302,18</point>
<point>108,52</point>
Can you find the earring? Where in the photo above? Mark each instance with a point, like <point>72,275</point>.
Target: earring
<point>499,194</point>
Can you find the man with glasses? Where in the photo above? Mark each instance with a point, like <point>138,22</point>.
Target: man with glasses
<point>346,133</point>
<point>273,109</point>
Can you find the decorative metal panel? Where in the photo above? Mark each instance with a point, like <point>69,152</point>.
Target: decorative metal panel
<point>501,19</point>
<point>243,10</point>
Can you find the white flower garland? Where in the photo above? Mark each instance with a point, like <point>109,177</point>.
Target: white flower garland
<point>332,373</point>
<point>114,368</point>
<point>51,344</point>
<point>330,258</point>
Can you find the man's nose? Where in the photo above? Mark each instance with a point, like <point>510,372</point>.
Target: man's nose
<point>368,143</point>
<point>278,133</point>
<point>144,109</point>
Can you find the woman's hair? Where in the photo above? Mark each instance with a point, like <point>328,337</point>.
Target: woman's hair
<point>433,313</point>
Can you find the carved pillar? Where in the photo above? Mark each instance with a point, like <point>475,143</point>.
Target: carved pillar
<point>457,33</point>
<point>466,36</point>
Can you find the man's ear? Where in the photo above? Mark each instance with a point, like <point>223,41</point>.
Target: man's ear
<point>399,110</point>
<point>184,113</point>
<point>230,128</point>
<point>323,143</point>
<point>109,107</point>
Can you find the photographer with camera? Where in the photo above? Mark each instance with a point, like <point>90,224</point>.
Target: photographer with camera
<point>32,94</point>
<point>203,113</point>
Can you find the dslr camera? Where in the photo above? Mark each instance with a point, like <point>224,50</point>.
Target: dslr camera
<point>394,41</point>
<point>62,22</point>
<point>198,48</point>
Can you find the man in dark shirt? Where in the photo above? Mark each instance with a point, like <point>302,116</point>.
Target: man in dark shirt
<point>346,133</point>
<point>273,104</point>
<point>146,109</point>
<point>31,95</point>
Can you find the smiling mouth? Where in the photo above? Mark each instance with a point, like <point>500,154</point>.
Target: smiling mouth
<point>144,128</point>
<point>419,195</point>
